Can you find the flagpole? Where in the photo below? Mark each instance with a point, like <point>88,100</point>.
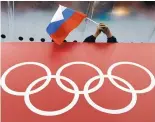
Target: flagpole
<point>93,21</point>
<point>151,35</point>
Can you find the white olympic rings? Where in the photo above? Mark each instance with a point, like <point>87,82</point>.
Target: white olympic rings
<point>110,111</point>
<point>149,88</point>
<point>3,82</point>
<point>93,78</point>
<point>50,113</point>
<point>75,89</point>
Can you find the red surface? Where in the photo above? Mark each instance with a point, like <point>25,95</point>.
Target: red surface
<point>53,97</point>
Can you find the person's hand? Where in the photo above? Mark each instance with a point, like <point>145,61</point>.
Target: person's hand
<point>103,28</point>
<point>106,31</point>
<point>99,30</point>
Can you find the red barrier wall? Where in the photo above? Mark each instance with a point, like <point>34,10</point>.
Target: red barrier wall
<point>53,97</point>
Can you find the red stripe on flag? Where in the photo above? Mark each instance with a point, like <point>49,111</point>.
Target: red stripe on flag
<point>69,25</point>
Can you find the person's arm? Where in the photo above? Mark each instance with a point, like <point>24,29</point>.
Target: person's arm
<point>102,28</point>
<point>110,37</point>
<point>112,40</point>
<point>92,38</point>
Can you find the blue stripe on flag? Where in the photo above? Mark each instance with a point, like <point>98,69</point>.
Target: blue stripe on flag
<point>54,26</point>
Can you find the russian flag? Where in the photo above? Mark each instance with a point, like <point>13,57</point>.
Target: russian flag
<point>63,22</point>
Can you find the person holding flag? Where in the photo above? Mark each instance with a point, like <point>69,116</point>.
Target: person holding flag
<point>102,28</point>
<point>66,20</point>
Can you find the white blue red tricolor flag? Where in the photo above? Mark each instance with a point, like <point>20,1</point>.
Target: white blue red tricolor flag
<point>63,22</point>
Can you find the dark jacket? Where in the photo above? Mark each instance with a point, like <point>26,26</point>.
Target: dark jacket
<point>92,39</point>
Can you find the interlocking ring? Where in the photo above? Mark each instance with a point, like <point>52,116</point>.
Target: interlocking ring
<point>83,63</point>
<point>149,88</point>
<point>75,89</point>
<point>111,111</point>
<point>50,113</point>
<point>8,90</point>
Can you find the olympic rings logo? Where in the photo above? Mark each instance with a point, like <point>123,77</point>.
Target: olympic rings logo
<point>86,91</point>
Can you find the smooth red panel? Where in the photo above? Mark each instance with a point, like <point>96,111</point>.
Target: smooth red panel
<point>53,97</point>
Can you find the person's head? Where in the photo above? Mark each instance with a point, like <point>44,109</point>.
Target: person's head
<point>63,41</point>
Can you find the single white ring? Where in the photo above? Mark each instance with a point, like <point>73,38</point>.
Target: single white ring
<point>16,93</point>
<point>84,63</point>
<point>111,111</point>
<point>145,90</point>
<point>50,113</point>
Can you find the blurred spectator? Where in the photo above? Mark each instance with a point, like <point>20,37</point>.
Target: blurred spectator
<point>63,41</point>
